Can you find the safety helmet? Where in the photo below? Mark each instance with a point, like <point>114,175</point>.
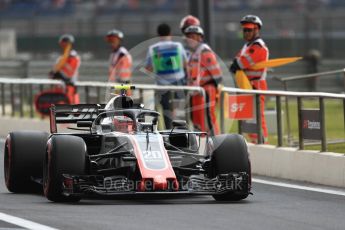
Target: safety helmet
<point>123,124</point>
<point>195,30</point>
<point>116,33</point>
<point>187,21</point>
<point>251,19</point>
<point>67,38</point>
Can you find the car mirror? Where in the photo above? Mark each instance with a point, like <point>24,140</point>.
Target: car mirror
<point>179,123</point>
<point>84,124</point>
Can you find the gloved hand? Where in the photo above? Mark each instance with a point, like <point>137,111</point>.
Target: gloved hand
<point>234,66</point>
<point>59,76</point>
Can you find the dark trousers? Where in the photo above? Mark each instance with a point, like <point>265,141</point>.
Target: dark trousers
<point>165,98</point>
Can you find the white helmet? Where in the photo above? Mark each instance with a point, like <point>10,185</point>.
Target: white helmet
<point>195,30</point>
<point>189,20</point>
<point>252,19</point>
<point>116,33</point>
<point>67,38</point>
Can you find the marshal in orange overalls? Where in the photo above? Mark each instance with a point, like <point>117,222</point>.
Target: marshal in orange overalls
<point>67,68</point>
<point>253,52</point>
<point>204,71</point>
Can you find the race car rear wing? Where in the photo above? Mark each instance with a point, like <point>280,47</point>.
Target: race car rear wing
<point>70,114</point>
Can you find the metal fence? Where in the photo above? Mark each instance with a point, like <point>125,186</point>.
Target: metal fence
<point>278,100</point>
<point>97,70</point>
<point>312,81</point>
<point>313,77</point>
<point>20,92</point>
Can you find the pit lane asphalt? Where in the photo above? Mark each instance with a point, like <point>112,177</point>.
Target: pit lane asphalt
<point>270,207</point>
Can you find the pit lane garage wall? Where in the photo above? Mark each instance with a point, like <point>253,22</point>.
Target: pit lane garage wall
<point>324,168</point>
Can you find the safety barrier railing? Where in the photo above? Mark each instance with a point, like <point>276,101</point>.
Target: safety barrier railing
<point>278,95</point>
<point>307,76</point>
<point>25,92</point>
<point>142,87</point>
<point>313,76</point>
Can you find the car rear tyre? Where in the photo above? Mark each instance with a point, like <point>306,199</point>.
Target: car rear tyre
<point>23,157</point>
<point>230,154</point>
<point>65,155</point>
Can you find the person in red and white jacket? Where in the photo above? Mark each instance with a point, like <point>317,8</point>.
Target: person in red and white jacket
<point>204,71</point>
<point>67,67</point>
<point>253,51</point>
<point>120,60</point>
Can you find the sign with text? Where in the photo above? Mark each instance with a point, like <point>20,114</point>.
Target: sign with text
<point>241,107</point>
<point>311,124</point>
<point>249,126</point>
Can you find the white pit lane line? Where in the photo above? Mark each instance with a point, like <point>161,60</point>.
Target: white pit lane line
<point>27,224</point>
<point>300,187</point>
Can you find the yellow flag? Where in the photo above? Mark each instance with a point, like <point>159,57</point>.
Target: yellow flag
<point>242,80</point>
<point>275,62</point>
<point>58,66</point>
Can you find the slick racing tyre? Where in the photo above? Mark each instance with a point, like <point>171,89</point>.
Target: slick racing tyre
<point>65,155</point>
<point>23,157</point>
<point>230,154</point>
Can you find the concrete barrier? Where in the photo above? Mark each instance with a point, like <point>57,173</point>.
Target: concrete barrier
<point>328,168</point>
<point>324,168</point>
<point>279,169</point>
<point>302,164</point>
<point>267,160</point>
<point>261,158</point>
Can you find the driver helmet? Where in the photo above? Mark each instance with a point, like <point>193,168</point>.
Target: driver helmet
<point>123,124</point>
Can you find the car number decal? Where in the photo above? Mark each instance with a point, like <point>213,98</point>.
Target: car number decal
<point>151,151</point>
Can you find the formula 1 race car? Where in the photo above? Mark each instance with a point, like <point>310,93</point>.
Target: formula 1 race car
<point>118,150</point>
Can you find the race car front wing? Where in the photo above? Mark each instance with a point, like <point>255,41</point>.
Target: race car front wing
<point>117,185</point>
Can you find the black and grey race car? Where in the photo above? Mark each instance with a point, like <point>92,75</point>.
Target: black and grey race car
<point>117,149</point>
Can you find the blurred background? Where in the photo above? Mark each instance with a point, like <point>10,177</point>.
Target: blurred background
<point>313,29</point>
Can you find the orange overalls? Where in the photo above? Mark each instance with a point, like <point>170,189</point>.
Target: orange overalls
<point>120,66</point>
<point>69,69</point>
<point>252,53</point>
<point>204,71</point>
